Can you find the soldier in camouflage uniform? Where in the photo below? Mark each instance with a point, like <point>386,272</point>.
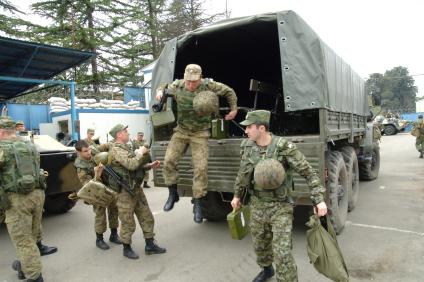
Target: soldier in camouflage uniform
<point>419,141</point>
<point>192,130</point>
<point>271,212</point>
<point>131,165</point>
<point>137,143</point>
<point>85,170</point>
<point>89,139</point>
<point>20,126</point>
<point>22,199</point>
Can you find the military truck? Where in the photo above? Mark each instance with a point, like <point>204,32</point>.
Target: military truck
<point>276,62</point>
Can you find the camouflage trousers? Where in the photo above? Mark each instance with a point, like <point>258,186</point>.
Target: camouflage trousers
<point>419,143</point>
<point>127,207</point>
<point>23,220</point>
<point>271,228</point>
<point>198,142</point>
<point>100,220</point>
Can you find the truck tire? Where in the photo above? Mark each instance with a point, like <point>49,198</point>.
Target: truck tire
<point>352,168</point>
<point>338,193</point>
<point>58,203</point>
<point>390,129</point>
<point>369,170</point>
<point>213,208</point>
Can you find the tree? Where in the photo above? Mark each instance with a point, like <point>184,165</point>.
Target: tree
<point>10,22</point>
<point>187,15</point>
<point>395,89</point>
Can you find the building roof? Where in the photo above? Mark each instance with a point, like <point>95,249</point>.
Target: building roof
<point>29,60</point>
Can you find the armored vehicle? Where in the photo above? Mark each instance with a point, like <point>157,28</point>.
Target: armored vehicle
<point>58,161</point>
<point>276,62</point>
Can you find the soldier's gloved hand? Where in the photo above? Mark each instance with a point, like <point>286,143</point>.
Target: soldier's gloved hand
<point>73,196</point>
<point>231,115</point>
<point>142,150</point>
<point>321,209</point>
<point>155,164</point>
<point>235,203</point>
<point>159,94</point>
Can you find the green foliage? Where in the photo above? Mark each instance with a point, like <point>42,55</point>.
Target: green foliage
<point>395,89</point>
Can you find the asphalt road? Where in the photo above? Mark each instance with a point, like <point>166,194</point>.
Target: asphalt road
<point>383,240</point>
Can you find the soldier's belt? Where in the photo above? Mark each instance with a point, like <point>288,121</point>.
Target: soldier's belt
<point>268,194</point>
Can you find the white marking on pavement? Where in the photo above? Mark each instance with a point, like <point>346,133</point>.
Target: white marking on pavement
<point>157,212</point>
<point>385,228</point>
<point>382,187</point>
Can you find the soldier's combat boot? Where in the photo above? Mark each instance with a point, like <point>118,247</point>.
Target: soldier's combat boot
<point>421,154</point>
<point>151,247</point>
<point>197,210</point>
<point>145,185</point>
<point>46,250</point>
<point>16,266</point>
<point>129,253</point>
<point>114,238</point>
<point>172,198</point>
<point>100,243</point>
<point>265,274</point>
<point>39,279</point>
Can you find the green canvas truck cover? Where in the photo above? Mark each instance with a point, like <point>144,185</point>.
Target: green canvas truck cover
<point>313,75</point>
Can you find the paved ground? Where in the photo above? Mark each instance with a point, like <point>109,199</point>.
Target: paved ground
<point>383,241</point>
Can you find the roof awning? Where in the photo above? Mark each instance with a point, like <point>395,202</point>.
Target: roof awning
<point>28,60</point>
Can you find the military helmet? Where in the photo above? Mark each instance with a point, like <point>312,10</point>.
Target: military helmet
<point>102,157</point>
<point>205,103</point>
<point>269,174</point>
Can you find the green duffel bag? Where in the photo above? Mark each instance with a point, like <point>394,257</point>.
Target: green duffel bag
<point>162,118</point>
<point>97,194</point>
<point>324,251</point>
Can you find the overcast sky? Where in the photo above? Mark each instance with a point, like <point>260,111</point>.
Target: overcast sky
<point>370,35</point>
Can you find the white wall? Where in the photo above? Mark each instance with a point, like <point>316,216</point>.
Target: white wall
<point>420,106</point>
<point>102,123</point>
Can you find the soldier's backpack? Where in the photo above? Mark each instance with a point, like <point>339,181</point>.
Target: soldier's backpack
<point>23,174</point>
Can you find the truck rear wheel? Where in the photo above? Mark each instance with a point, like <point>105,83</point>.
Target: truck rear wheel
<point>352,168</point>
<point>369,170</point>
<point>390,129</point>
<point>214,208</point>
<point>58,203</point>
<point>337,185</point>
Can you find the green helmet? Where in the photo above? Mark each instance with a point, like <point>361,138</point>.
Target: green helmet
<point>269,174</point>
<point>205,103</point>
<point>102,157</point>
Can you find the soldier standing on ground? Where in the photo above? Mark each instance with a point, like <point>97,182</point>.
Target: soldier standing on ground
<point>192,130</point>
<point>418,131</point>
<point>22,198</point>
<point>266,167</point>
<point>137,143</point>
<point>85,170</point>
<point>131,165</point>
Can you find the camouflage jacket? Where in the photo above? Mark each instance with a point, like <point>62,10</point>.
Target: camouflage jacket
<point>291,159</point>
<point>137,144</point>
<point>127,164</point>
<point>85,169</point>
<point>186,117</point>
<point>420,126</point>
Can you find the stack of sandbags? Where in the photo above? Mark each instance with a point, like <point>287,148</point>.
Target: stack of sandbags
<point>58,104</point>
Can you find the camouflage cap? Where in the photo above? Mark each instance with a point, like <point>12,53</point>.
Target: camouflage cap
<point>7,123</point>
<point>258,116</point>
<point>140,133</point>
<point>19,122</point>
<point>90,130</point>
<point>116,129</point>
<point>192,72</point>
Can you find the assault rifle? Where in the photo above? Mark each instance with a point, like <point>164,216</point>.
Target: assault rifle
<point>121,182</point>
